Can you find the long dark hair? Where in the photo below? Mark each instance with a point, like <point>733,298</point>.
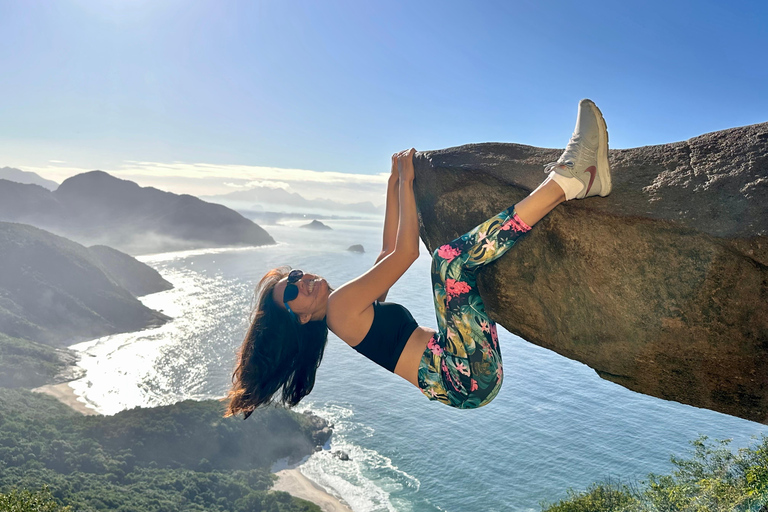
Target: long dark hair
<point>277,354</point>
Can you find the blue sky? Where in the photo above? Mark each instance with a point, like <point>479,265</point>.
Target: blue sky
<point>239,88</point>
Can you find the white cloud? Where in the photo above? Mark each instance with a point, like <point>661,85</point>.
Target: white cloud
<point>202,179</point>
<point>251,172</point>
<point>267,184</point>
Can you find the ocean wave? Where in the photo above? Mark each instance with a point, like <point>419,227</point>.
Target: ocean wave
<point>368,481</point>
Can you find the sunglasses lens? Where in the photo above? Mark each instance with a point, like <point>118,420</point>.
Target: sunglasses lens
<point>290,293</point>
<point>291,290</point>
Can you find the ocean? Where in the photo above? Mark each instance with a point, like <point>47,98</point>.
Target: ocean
<point>555,424</point>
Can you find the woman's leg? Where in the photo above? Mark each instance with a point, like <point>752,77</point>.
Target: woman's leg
<point>462,365</point>
<point>541,201</point>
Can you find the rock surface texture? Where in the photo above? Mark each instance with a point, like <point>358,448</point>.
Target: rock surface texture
<point>661,287</point>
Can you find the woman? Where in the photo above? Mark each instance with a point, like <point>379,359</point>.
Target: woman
<point>460,364</point>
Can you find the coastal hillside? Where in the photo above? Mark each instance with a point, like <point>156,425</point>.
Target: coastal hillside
<point>28,364</point>
<point>182,457</point>
<point>96,208</point>
<point>128,272</point>
<point>55,291</point>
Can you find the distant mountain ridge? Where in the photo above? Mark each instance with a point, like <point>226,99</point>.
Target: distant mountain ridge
<point>97,208</point>
<point>53,290</point>
<point>259,196</point>
<point>26,177</point>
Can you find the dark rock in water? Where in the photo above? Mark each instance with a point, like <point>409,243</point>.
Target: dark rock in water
<point>320,429</point>
<point>661,287</point>
<point>96,208</point>
<point>356,248</point>
<point>341,455</point>
<point>54,290</point>
<point>315,224</point>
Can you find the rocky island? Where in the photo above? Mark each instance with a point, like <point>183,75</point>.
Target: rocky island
<point>316,225</point>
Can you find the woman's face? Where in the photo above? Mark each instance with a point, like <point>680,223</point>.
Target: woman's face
<point>310,303</point>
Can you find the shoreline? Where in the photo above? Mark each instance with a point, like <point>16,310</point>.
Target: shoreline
<point>65,394</point>
<point>296,484</point>
<point>291,480</point>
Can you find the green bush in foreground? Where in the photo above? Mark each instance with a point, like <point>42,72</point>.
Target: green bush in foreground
<point>26,501</point>
<point>599,497</point>
<point>713,479</point>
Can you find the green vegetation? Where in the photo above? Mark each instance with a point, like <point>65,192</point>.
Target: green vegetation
<point>26,501</point>
<point>183,457</point>
<point>24,363</point>
<point>713,479</point>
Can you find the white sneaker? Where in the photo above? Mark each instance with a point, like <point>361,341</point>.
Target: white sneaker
<point>586,156</point>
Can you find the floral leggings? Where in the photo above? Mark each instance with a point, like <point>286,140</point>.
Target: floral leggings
<point>461,365</point>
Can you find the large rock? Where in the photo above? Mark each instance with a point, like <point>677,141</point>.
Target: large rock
<point>661,287</point>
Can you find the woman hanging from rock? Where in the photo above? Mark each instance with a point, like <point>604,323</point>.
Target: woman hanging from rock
<point>460,363</point>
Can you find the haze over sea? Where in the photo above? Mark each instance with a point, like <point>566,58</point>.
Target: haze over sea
<point>554,425</point>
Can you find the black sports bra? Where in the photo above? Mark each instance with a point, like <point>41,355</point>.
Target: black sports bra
<point>391,327</point>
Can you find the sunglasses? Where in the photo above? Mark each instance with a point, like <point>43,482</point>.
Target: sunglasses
<point>292,291</point>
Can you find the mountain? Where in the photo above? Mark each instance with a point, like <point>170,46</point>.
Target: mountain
<point>55,291</point>
<point>128,272</point>
<point>256,198</point>
<point>96,208</point>
<point>30,204</point>
<point>31,178</point>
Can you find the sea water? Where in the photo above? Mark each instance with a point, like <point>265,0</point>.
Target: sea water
<point>554,425</point>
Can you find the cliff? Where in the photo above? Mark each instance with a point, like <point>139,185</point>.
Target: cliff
<point>53,290</point>
<point>128,272</point>
<point>661,287</point>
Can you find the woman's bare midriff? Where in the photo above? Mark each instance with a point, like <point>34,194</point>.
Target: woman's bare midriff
<point>408,364</point>
<point>355,327</point>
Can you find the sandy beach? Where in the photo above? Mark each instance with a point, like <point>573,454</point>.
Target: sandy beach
<point>65,394</point>
<point>290,480</point>
<point>296,484</point>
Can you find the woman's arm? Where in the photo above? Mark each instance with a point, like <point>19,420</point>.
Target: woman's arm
<point>391,217</point>
<point>359,293</point>
<point>408,225</point>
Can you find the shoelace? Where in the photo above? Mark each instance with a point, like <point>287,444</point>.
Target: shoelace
<point>570,155</point>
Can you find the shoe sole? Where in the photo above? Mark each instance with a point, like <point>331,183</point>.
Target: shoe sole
<point>603,167</point>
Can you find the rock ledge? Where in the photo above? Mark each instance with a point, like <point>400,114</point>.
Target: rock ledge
<point>661,287</point>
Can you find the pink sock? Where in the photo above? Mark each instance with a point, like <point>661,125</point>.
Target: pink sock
<point>522,226</point>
